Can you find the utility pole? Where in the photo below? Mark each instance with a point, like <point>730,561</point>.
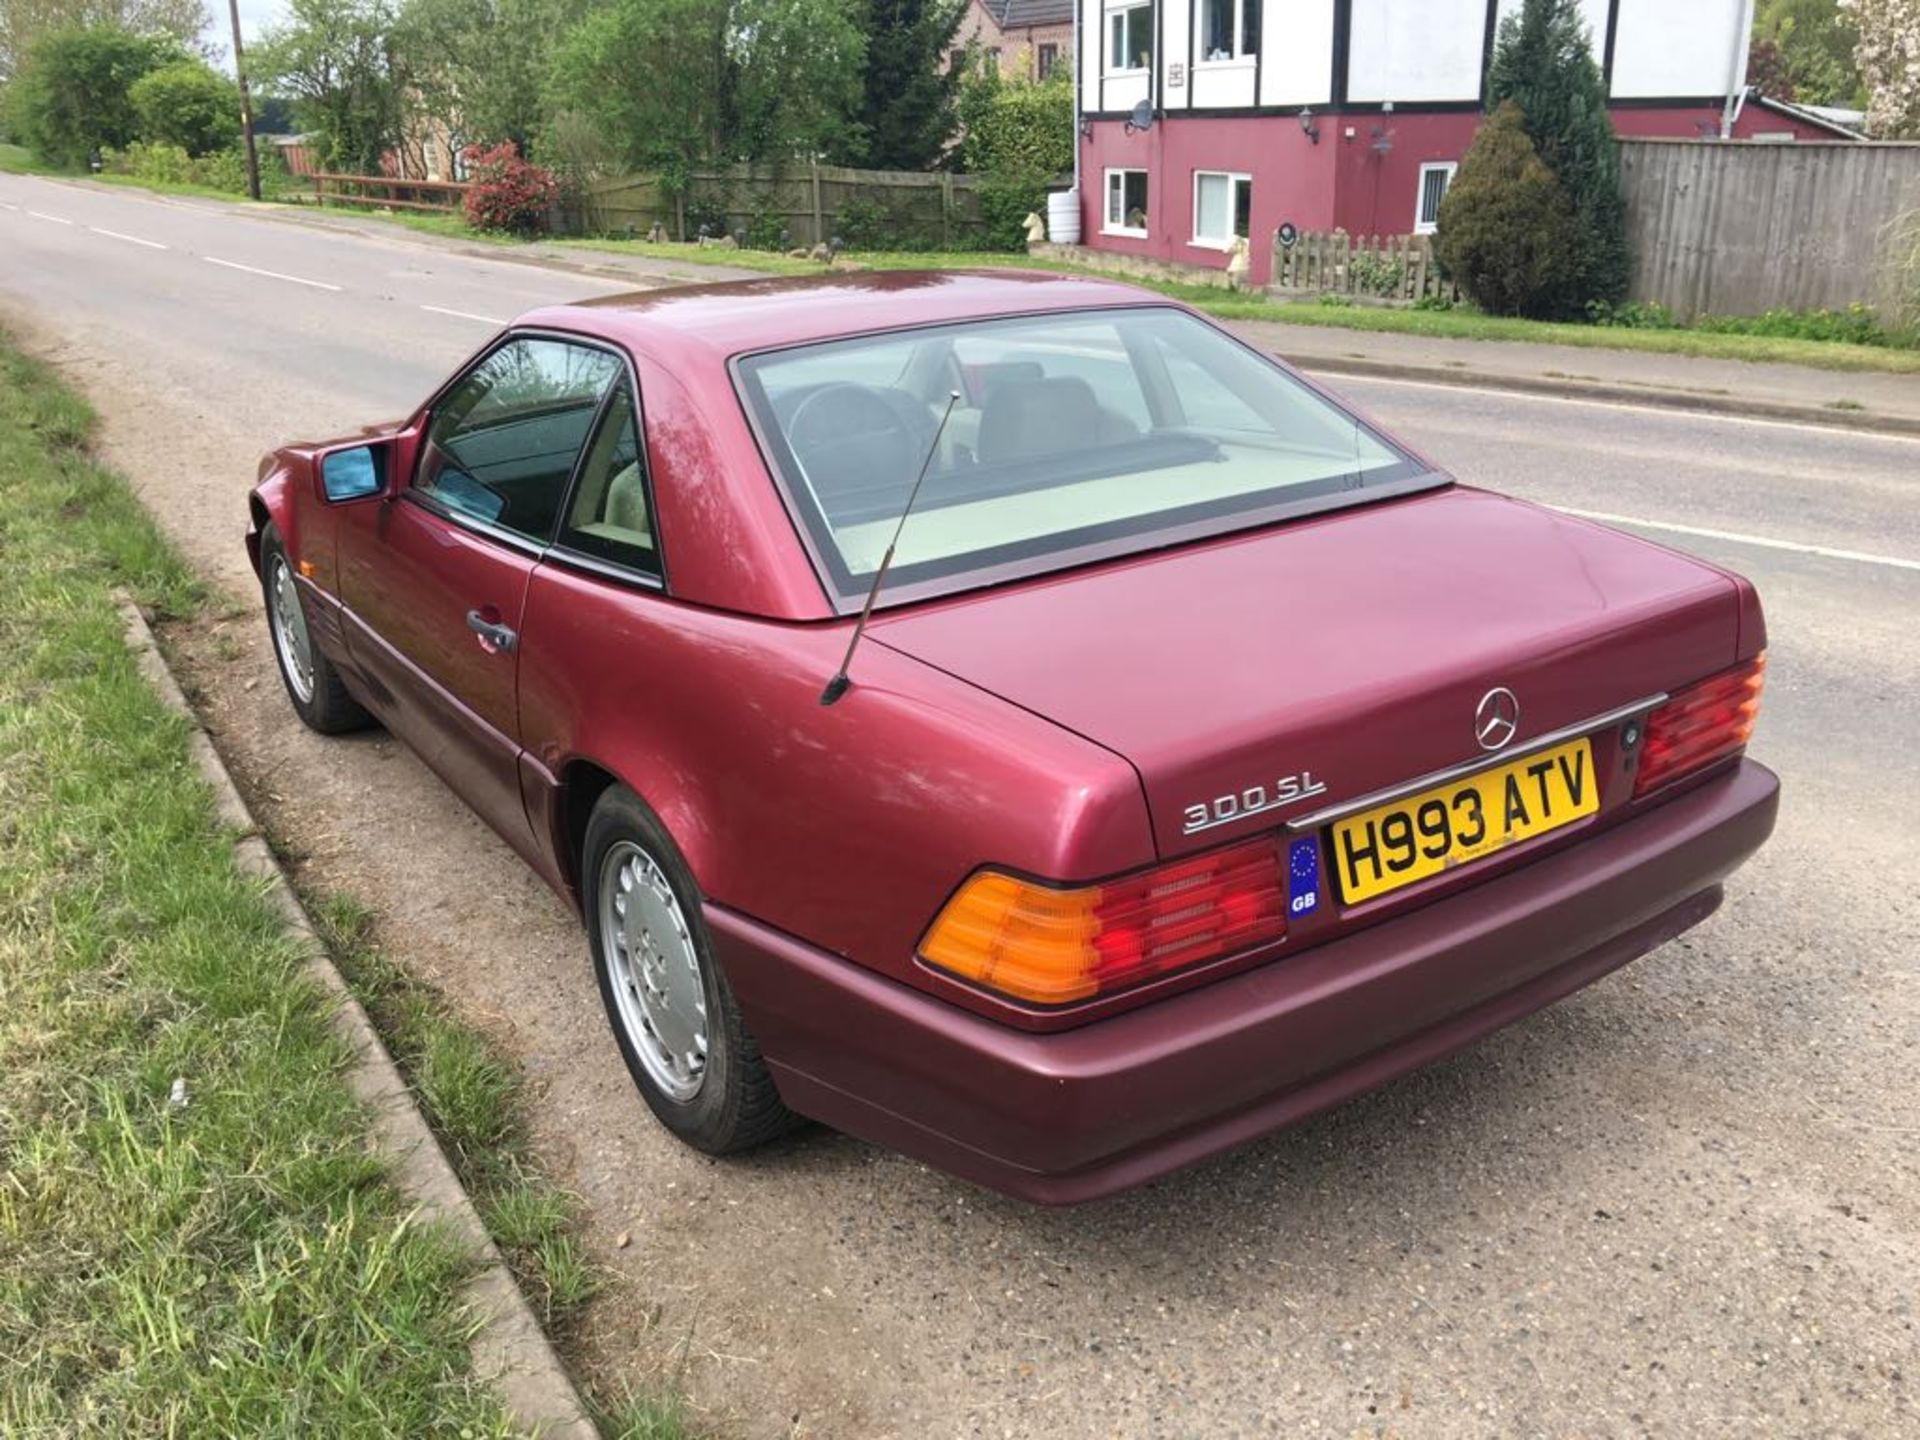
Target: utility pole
<point>246,105</point>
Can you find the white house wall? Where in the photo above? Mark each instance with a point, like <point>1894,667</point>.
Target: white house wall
<point>1403,52</point>
<point>1409,52</point>
<point>1296,64</point>
<point>1594,12</point>
<point>1665,49</point>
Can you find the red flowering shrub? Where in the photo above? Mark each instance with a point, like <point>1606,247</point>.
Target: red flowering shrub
<point>508,193</point>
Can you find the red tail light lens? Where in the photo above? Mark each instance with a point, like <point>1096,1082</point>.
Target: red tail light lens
<point>1052,946</point>
<point>1702,724</point>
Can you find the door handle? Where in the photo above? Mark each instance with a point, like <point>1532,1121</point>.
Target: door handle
<point>493,635</point>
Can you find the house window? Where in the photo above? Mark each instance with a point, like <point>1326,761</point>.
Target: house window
<point>1048,57</point>
<point>1222,208</point>
<point>1229,29</point>
<point>1126,202</point>
<point>1130,38</point>
<point>1434,180</point>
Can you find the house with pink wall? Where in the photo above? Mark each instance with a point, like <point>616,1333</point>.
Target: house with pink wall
<point>1353,114</point>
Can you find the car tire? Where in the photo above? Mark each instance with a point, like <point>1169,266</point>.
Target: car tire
<point>320,697</point>
<point>672,1012</point>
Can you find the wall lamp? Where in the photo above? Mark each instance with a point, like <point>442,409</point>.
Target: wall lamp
<point>1308,128</point>
<point>1086,128</point>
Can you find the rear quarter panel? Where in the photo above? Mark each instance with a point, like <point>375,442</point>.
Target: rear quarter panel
<point>846,825</point>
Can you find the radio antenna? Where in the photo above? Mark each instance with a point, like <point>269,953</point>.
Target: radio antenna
<point>837,686</point>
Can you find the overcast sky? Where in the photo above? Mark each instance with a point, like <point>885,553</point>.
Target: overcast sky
<point>255,16</point>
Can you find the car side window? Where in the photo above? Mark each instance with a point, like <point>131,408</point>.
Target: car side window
<point>611,516</point>
<point>502,443</point>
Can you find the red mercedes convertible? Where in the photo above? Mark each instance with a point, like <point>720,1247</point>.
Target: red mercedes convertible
<point>1005,717</point>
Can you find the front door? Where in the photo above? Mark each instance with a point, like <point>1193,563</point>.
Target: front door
<point>434,580</point>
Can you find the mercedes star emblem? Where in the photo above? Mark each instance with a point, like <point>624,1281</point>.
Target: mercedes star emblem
<point>1497,719</point>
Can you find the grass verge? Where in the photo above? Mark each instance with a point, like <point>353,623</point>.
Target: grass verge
<point>195,1237</point>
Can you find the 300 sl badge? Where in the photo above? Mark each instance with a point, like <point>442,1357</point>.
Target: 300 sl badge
<point>1254,800</point>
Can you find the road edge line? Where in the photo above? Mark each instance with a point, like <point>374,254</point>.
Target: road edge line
<point>1868,422</point>
<point>510,1350</point>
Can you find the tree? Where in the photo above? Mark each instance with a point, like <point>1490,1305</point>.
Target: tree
<point>1804,50</point>
<point>189,104</point>
<point>72,95</point>
<point>906,113</point>
<point>332,59</point>
<point>651,74</point>
<point>1889,59</point>
<point>22,22</point>
<point>480,67</point>
<point>794,77</point>
<point>677,83</point>
<point>1507,227</point>
<point>1544,63</point>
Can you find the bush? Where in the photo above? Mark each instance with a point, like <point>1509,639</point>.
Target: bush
<point>162,165</point>
<point>706,212</point>
<point>1544,64</point>
<point>1506,227</point>
<point>508,193</point>
<point>71,96</point>
<point>186,103</point>
<point>1900,276</point>
<point>1019,140</point>
<point>1854,325</point>
<point>1632,315</point>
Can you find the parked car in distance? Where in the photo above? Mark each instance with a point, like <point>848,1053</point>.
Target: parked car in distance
<point>1209,757</point>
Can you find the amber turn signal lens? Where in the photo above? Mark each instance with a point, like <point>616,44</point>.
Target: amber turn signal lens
<point>1052,946</point>
<point>1702,724</point>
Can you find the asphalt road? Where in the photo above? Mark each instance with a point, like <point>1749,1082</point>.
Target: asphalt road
<point>1685,1202</point>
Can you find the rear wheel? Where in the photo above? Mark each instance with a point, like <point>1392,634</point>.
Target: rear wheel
<point>318,694</point>
<point>673,1014</point>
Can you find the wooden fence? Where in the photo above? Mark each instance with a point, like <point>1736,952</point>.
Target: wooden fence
<point>1371,269</point>
<point>441,197</point>
<point>877,209</point>
<point>1741,229</point>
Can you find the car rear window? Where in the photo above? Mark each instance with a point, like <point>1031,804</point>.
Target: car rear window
<point>1076,435</point>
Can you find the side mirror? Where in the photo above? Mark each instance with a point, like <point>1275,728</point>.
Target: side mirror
<point>353,474</point>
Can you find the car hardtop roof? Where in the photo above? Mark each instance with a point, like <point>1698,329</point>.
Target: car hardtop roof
<point>734,317</point>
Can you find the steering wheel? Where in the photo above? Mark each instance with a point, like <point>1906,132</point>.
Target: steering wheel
<point>844,425</point>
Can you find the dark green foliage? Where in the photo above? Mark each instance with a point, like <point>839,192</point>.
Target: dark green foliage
<point>1806,53</point>
<point>905,111</point>
<point>1544,64</point>
<point>74,94</point>
<point>1506,225</point>
<point>187,103</point>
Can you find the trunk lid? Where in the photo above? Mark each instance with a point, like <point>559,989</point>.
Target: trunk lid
<point>1348,652</point>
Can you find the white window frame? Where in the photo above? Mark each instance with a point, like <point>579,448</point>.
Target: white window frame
<point>1423,226</point>
<point>1111,226</point>
<point>1239,56</point>
<point>1233,178</point>
<point>1117,15</point>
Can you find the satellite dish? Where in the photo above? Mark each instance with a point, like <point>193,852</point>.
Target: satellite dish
<point>1141,118</point>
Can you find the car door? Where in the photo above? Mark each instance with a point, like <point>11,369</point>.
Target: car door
<point>434,581</point>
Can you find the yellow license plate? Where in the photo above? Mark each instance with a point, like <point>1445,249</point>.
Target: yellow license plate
<point>1463,821</point>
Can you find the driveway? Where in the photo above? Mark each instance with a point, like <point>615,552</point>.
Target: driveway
<point>1686,1201</point>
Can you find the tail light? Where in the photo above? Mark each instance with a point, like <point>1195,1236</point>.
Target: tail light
<point>1702,724</point>
<point>1053,945</point>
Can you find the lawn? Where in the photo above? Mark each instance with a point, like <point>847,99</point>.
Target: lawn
<point>195,1237</point>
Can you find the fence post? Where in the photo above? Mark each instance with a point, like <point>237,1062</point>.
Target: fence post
<point>819,223</point>
<point>946,210</point>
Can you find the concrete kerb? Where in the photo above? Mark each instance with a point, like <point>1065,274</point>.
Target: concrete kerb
<point>510,1351</point>
<point>1599,391</point>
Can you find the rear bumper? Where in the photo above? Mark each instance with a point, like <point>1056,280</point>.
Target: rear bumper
<point>1072,1116</point>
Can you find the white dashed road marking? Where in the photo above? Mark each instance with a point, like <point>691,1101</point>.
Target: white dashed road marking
<point>56,219</point>
<point>463,315</point>
<point>130,239</point>
<point>1826,551</point>
<point>270,274</point>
